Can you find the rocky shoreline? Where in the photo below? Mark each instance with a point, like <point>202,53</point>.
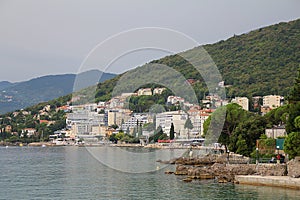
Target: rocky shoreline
<point>217,167</point>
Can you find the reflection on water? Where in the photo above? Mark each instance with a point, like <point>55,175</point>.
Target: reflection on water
<point>134,160</point>
<point>74,173</point>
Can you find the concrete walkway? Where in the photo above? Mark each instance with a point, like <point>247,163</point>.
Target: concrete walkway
<point>277,181</point>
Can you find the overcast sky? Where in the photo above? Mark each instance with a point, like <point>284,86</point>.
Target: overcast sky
<point>55,36</point>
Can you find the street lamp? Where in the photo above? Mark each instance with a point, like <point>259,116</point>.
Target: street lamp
<point>256,155</point>
<point>228,155</point>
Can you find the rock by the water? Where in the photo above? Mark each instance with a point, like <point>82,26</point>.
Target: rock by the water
<point>169,172</point>
<point>293,167</point>
<point>216,166</point>
<point>187,180</point>
<point>181,170</point>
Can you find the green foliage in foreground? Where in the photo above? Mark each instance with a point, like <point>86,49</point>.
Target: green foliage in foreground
<point>127,138</point>
<point>294,106</point>
<point>239,128</point>
<point>292,144</point>
<point>158,135</point>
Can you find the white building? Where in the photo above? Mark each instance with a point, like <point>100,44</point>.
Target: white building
<point>242,101</point>
<point>175,100</point>
<point>145,91</point>
<point>28,131</point>
<point>80,122</point>
<point>272,101</point>
<point>276,132</point>
<point>117,116</point>
<point>194,114</point>
<point>136,120</point>
<point>158,90</point>
<point>178,118</point>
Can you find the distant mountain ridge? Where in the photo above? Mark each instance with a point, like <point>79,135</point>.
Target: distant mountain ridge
<point>5,84</point>
<point>14,96</point>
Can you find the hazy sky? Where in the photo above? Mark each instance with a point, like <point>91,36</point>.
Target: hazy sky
<point>54,36</point>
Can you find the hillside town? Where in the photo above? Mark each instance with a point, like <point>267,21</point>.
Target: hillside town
<point>101,120</point>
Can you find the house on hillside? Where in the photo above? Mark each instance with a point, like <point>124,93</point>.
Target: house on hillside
<point>158,90</point>
<point>8,129</point>
<point>273,101</point>
<point>275,132</point>
<point>29,131</point>
<point>242,101</point>
<point>145,91</point>
<point>48,123</point>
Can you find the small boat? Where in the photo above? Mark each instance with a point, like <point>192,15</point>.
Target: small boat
<point>6,146</point>
<point>43,145</point>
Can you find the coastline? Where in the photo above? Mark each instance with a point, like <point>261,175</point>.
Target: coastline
<point>211,167</point>
<point>273,181</point>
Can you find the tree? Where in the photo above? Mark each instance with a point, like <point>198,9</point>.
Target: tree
<point>243,139</point>
<point>172,132</point>
<point>114,126</point>
<point>159,132</point>
<point>294,111</point>
<point>140,130</point>
<point>242,147</point>
<point>297,122</point>
<point>163,137</point>
<point>294,95</point>
<point>277,116</point>
<point>188,125</point>
<point>113,138</point>
<point>225,120</point>
<point>294,105</point>
<point>292,145</point>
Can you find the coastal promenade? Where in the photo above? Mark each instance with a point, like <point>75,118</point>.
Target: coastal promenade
<point>275,181</point>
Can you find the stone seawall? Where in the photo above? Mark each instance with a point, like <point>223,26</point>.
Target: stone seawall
<point>275,181</point>
<point>216,166</point>
<point>227,172</point>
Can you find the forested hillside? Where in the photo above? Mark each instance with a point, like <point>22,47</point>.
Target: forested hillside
<point>261,62</point>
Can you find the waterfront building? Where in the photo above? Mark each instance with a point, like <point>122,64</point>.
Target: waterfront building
<point>178,118</point>
<point>118,116</point>
<point>80,122</point>
<point>204,115</point>
<point>28,131</point>
<point>194,114</point>
<point>136,120</point>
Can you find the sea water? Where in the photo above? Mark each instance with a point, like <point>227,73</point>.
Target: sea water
<point>108,173</point>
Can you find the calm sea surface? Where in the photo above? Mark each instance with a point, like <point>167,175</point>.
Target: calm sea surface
<point>76,173</point>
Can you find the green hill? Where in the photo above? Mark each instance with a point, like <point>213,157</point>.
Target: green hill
<point>264,61</point>
<point>261,62</point>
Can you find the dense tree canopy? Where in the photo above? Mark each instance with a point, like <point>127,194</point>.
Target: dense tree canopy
<point>292,145</point>
<point>225,120</point>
